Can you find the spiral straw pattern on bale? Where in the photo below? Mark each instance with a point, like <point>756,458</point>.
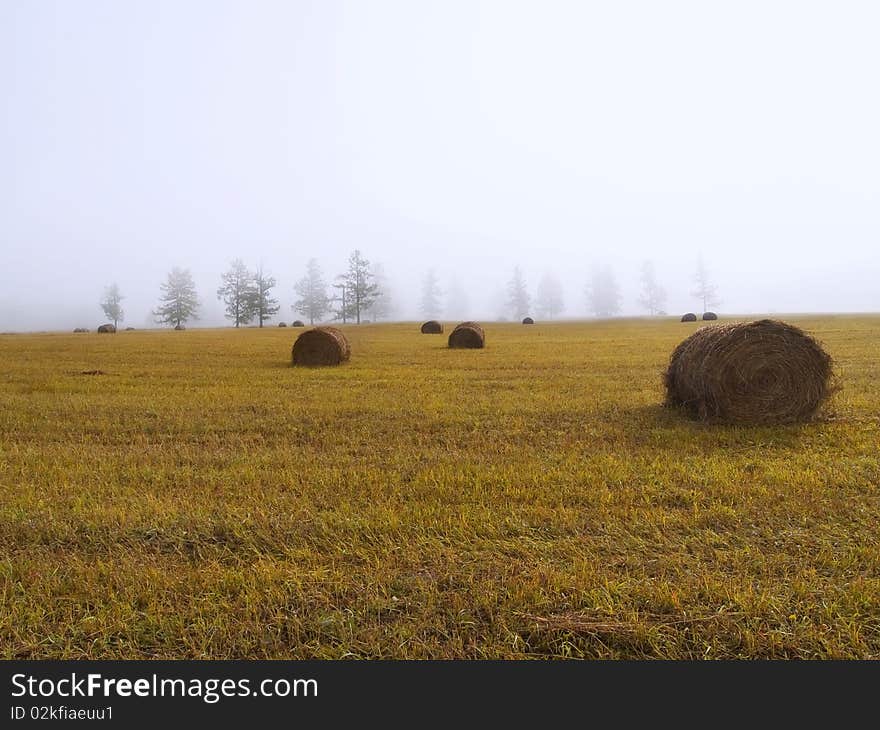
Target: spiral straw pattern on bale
<point>432,327</point>
<point>467,335</point>
<point>321,346</point>
<point>763,372</point>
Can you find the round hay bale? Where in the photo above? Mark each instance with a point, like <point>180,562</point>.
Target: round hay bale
<point>321,346</point>
<point>689,317</point>
<point>129,329</point>
<point>467,335</point>
<point>282,324</point>
<point>709,316</point>
<point>180,327</point>
<point>80,329</point>
<point>432,327</point>
<point>763,372</point>
<point>528,320</point>
<point>298,323</point>
<point>107,329</point>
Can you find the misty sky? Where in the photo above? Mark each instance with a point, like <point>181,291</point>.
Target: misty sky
<point>465,136</point>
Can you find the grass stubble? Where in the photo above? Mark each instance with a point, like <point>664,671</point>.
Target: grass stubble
<point>191,495</point>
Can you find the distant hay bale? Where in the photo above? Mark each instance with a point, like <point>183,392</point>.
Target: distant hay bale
<point>528,320</point>
<point>129,329</point>
<point>321,346</point>
<point>709,316</point>
<point>432,327</point>
<point>107,329</point>
<point>298,323</point>
<point>282,324</point>
<point>689,317</point>
<point>180,327</point>
<point>467,335</point>
<point>763,372</point>
<point>80,329</point>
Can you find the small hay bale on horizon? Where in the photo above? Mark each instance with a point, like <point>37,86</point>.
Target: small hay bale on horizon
<point>180,327</point>
<point>709,316</point>
<point>80,329</point>
<point>282,324</point>
<point>107,329</point>
<point>298,323</point>
<point>689,317</point>
<point>321,346</point>
<point>432,327</point>
<point>467,335</point>
<point>755,373</point>
<point>528,320</point>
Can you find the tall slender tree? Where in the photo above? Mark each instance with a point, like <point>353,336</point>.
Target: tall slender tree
<point>705,290</point>
<point>431,293</point>
<point>653,295</point>
<point>550,300</point>
<point>313,301</point>
<point>518,298</point>
<point>179,302</point>
<point>603,293</point>
<point>358,286</point>
<point>262,303</point>
<point>112,304</point>
<point>238,293</point>
<point>382,306</point>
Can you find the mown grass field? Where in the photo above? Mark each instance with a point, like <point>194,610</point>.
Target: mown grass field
<point>203,499</point>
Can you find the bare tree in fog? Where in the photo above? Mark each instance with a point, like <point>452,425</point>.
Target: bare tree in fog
<point>359,290</point>
<point>705,290</point>
<point>263,305</point>
<point>653,295</point>
<point>603,293</point>
<point>457,301</point>
<point>313,302</point>
<point>549,301</point>
<point>382,306</point>
<point>518,295</point>
<point>238,293</point>
<point>112,304</point>
<point>179,301</point>
<point>430,304</point>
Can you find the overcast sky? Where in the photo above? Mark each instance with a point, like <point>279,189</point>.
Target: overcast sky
<point>465,136</point>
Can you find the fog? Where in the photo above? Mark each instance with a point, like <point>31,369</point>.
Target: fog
<point>468,137</point>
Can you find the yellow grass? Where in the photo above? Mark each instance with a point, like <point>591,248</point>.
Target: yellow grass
<point>203,499</point>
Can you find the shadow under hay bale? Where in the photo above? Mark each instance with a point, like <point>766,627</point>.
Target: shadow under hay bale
<point>432,327</point>
<point>763,372</point>
<point>180,327</point>
<point>107,329</point>
<point>689,317</point>
<point>709,316</point>
<point>321,346</point>
<point>282,324</point>
<point>467,335</point>
<point>298,323</point>
<point>528,320</point>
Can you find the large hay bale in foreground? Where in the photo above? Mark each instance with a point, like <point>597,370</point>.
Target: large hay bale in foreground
<point>467,335</point>
<point>709,316</point>
<point>763,372</point>
<point>689,317</point>
<point>107,329</point>
<point>528,320</point>
<point>432,327</point>
<point>321,346</point>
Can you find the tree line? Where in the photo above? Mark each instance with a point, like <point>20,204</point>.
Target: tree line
<point>362,290</point>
